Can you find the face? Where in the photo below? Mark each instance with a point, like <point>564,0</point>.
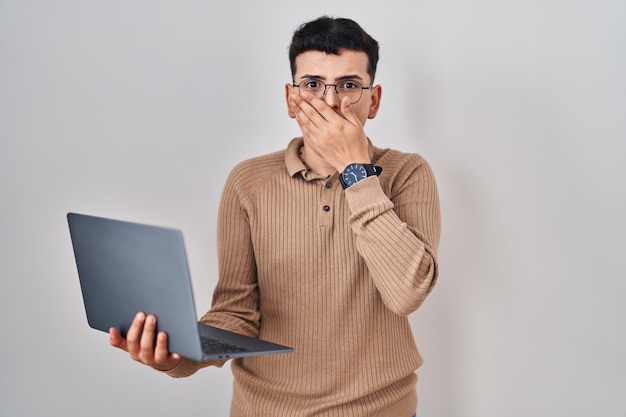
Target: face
<point>333,69</point>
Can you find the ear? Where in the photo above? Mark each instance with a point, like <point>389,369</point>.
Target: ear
<point>288,91</point>
<point>377,93</point>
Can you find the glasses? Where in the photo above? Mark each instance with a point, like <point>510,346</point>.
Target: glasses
<point>349,88</point>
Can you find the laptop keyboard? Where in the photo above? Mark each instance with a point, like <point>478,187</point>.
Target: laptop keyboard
<point>212,346</point>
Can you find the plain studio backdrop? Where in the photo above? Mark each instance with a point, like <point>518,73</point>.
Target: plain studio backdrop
<point>139,109</point>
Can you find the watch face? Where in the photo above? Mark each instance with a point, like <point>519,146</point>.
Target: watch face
<point>354,173</point>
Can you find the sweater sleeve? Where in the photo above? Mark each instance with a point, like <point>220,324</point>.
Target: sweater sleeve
<point>397,234</point>
<point>235,298</point>
<point>235,305</point>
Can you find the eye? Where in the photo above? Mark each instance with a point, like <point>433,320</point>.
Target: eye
<point>311,84</point>
<point>349,85</point>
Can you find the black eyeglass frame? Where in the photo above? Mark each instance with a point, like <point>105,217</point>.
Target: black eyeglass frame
<point>293,84</point>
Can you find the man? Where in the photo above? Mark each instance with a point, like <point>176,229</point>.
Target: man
<point>326,246</point>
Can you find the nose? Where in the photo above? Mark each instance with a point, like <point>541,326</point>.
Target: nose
<point>330,96</point>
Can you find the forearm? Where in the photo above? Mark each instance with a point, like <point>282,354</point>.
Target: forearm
<point>400,253</point>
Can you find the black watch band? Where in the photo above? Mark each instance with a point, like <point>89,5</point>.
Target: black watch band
<point>354,173</point>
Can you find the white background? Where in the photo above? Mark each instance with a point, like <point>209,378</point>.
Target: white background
<point>138,110</point>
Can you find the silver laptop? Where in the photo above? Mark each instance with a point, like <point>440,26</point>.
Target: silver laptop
<point>126,267</point>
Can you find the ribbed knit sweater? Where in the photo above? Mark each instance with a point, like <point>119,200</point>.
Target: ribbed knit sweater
<point>332,273</point>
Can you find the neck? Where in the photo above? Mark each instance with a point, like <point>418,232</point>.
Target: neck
<point>315,162</point>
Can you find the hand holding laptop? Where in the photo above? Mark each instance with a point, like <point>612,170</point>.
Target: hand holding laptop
<point>139,343</point>
<point>127,267</point>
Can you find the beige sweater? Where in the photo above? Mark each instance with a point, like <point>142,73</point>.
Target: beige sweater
<point>332,273</point>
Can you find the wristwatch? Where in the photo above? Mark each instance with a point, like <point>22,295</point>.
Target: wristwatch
<point>356,172</point>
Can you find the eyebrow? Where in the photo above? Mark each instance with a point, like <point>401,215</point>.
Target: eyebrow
<point>344,77</point>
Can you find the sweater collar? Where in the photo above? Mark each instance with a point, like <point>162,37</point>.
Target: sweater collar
<point>292,157</point>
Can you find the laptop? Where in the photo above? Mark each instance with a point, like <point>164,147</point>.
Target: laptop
<point>125,267</point>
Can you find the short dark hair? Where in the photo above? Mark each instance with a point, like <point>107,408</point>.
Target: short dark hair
<point>331,35</point>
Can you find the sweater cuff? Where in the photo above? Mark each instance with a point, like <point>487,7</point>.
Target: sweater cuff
<point>365,193</point>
